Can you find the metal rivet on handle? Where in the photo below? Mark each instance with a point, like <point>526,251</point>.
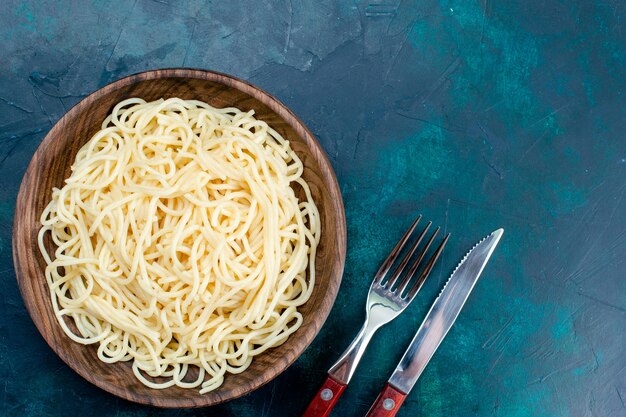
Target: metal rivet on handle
<point>326,394</point>
<point>388,404</point>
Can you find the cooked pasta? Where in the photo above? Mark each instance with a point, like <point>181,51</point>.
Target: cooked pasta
<point>179,241</point>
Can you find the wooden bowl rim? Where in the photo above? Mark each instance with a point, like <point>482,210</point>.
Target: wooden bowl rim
<point>20,258</point>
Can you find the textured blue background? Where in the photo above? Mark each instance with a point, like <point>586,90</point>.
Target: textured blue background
<point>478,114</point>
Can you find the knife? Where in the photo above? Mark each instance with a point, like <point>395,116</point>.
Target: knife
<point>434,328</point>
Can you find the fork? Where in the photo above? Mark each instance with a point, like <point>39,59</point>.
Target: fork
<point>385,301</point>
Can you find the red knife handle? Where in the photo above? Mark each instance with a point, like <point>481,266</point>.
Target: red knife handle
<point>388,403</point>
<point>325,399</point>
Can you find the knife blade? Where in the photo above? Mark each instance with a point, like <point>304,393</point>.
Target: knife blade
<point>435,327</point>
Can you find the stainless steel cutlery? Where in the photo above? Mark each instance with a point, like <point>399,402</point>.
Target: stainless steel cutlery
<point>387,298</point>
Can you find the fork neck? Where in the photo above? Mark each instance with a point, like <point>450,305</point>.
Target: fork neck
<point>344,368</point>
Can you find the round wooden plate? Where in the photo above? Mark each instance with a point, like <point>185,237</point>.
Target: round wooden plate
<point>50,165</point>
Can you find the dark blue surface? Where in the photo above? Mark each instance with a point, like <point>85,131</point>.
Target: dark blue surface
<point>478,114</point>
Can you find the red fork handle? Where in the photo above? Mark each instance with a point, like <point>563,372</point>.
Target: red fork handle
<point>388,402</point>
<point>325,399</point>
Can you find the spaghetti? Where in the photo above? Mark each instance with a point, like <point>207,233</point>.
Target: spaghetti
<point>181,242</point>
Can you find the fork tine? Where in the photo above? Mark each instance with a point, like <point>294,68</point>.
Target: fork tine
<point>416,264</point>
<point>395,252</point>
<point>394,277</point>
<point>429,266</point>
